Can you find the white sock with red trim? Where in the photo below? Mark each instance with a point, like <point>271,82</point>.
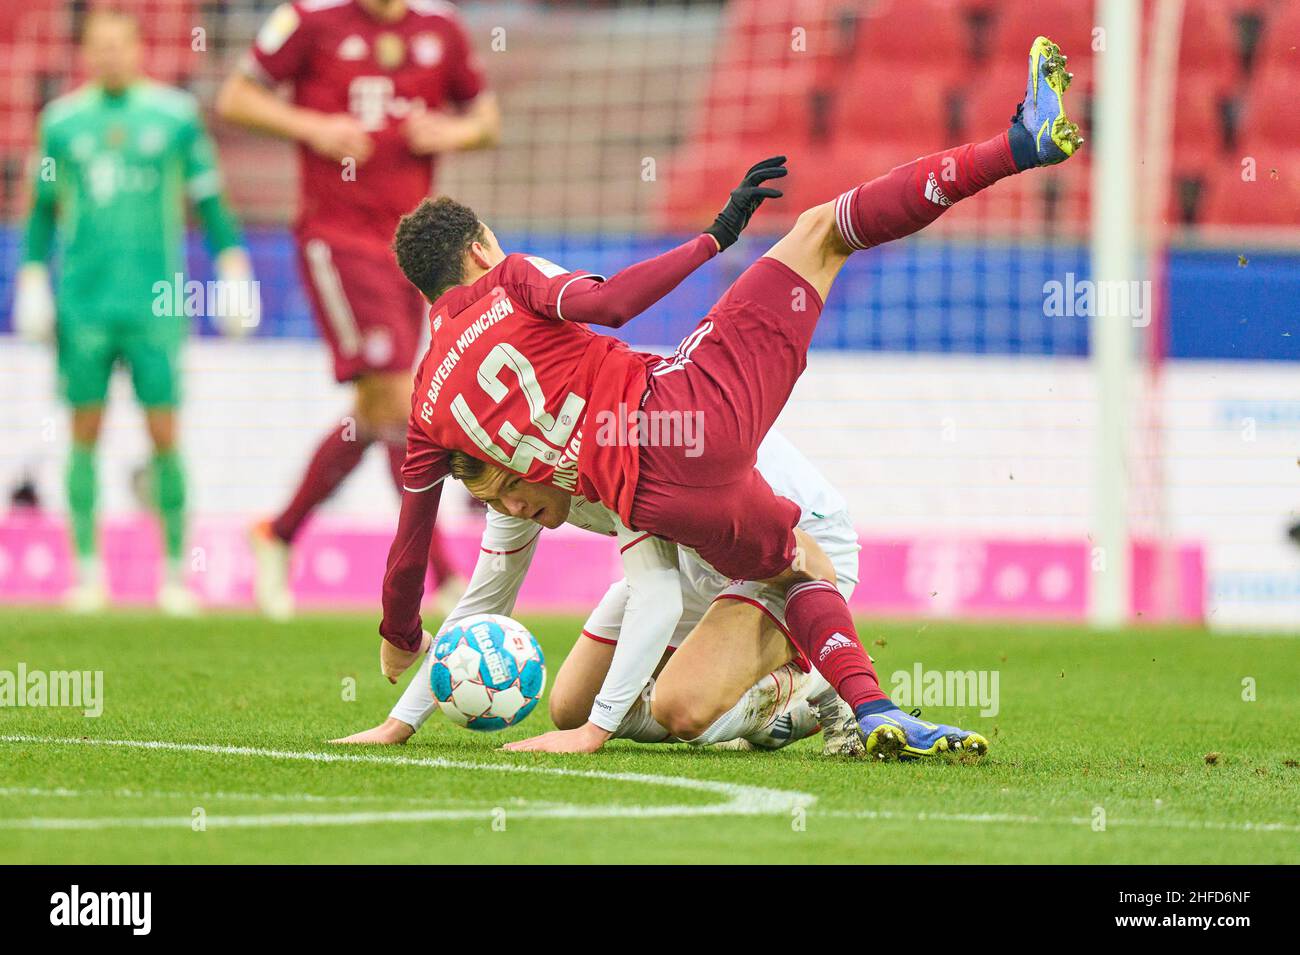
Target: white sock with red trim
<point>762,705</point>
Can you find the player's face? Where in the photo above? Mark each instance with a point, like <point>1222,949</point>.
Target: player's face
<point>112,52</point>
<point>508,493</point>
<point>385,9</point>
<point>487,252</point>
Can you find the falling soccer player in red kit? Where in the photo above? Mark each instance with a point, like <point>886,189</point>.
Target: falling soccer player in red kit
<point>546,408</point>
<point>380,88</point>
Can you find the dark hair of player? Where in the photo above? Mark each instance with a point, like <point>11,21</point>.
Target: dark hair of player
<point>465,469</point>
<point>432,241</point>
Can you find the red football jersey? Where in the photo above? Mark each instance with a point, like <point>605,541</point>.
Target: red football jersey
<point>340,59</point>
<point>508,381</point>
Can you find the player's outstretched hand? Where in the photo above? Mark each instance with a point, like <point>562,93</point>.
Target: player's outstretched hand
<point>745,199</point>
<point>585,739</point>
<point>394,661</point>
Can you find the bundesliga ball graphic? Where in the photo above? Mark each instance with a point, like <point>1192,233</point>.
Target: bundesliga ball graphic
<point>488,672</point>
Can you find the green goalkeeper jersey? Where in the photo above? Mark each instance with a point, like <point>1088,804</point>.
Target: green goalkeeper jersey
<point>111,180</point>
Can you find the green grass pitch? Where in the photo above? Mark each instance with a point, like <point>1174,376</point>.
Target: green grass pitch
<point>1099,754</point>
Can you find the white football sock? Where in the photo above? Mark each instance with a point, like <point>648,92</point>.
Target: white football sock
<point>90,571</point>
<point>417,703</point>
<point>761,705</point>
<point>174,571</point>
<point>819,691</point>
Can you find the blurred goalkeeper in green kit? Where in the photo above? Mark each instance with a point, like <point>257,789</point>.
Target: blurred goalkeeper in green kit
<point>117,159</point>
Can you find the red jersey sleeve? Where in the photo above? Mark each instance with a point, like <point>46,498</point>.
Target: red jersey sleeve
<point>408,562</point>
<point>279,53</point>
<point>426,464</point>
<point>465,79</point>
<point>540,285</point>
<point>554,292</point>
<point>423,471</point>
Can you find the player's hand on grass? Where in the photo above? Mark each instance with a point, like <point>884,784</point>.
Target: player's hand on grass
<point>339,136</point>
<point>394,661</point>
<point>239,310</point>
<point>34,304</point>
<point>585,739</point>
<point>745,200</point>
<point>428,132</point>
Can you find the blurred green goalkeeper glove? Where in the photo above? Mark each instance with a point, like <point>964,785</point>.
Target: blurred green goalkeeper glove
<point>745,199</point>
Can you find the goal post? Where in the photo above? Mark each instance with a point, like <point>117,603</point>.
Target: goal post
<point>1115,258</point>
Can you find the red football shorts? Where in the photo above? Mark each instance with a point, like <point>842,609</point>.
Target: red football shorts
<point>729,379</point>
<point>366,310</point>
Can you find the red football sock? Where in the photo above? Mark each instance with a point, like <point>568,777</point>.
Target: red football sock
<point>822,627</point>
<point>911,196</point>
<point>440,566</point>
<point>333,461</point>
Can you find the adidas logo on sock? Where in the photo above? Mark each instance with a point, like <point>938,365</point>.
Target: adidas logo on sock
<point>935,193</point>
<point>783,728</point>
<point>836,641</point>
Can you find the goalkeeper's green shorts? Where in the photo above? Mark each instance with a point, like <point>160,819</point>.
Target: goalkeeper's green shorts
<point>89,350</point>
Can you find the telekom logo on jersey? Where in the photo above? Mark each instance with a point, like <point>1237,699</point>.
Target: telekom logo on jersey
<point>372,101</point>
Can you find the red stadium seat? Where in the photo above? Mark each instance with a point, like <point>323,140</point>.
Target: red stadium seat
<point>1270,199</point>
<point>850,161</point>
<point>894,101</point>
<point>1067,22</point>
<point>34,46</point>
<point>1198,112</point>
<point>760,84</point>
<point>918,31</point>
<point>1190,169</point>
<point>818,173</point>
<point>1270,112</point>
<point>1208,41</point>
<point>890,96</point>
<point>697,175</point>
<point>991,101</point>
<point>1279,45</point>
<point>756,112</point>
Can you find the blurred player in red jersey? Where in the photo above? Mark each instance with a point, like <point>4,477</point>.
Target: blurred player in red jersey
<point>379,89</point>
<point>541,407</point>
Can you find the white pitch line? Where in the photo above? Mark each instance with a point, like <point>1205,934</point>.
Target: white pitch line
<point>741,800</point>
<point>559,811</point>
<point>1018,819</point>
<point>223,796</point>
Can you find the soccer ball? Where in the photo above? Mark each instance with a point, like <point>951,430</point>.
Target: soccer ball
<point>488,672</point>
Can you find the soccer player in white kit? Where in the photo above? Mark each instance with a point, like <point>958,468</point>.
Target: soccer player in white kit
<point>609,675</point>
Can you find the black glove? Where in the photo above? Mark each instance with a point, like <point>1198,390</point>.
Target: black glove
<point>746,198</point>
